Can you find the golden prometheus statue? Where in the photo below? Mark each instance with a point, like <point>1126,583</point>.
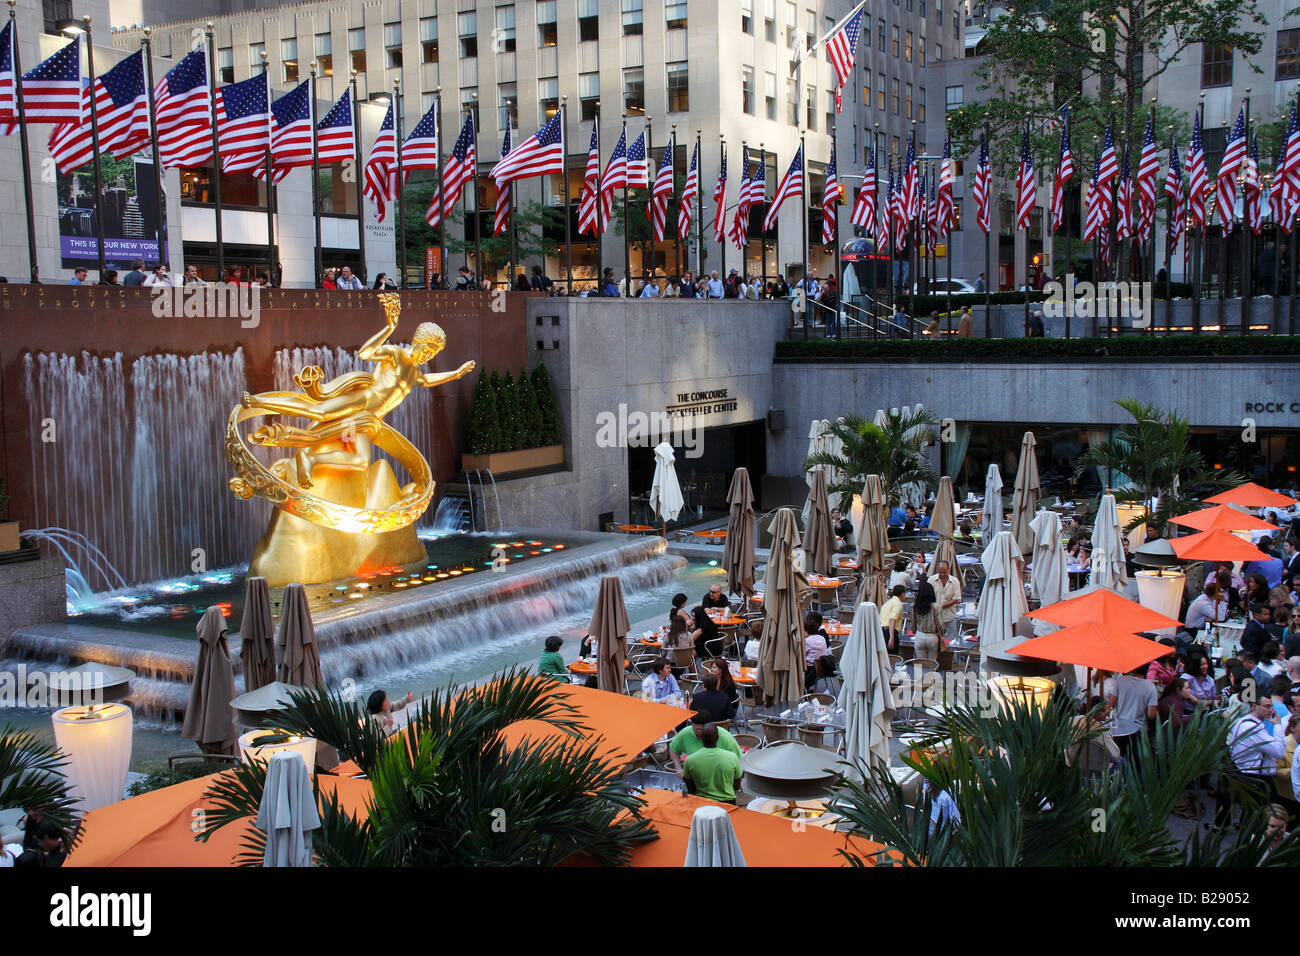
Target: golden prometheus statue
<point>338,512</point>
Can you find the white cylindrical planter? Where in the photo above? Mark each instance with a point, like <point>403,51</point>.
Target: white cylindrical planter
<point>303,746</point>
<point>1162,592</point>
<point>97,741</point>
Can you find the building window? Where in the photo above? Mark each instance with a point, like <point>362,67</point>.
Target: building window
<point>426,102</point>
<point>325,54</point>
<point>633,18</point>
<point>893,41</point>
<point>589,94</point>
<point>880,92</point>
<point>1216,65</point>
<point>357,49</point>
<point>769,20</point>
<point>907,48</point>
<point>747,89</point>
<point>469,104</point>
<point>548,97</point>
<point>289,56</point>
<point>507,105</point>
<point>467,32</point>
<point>896,97</point>
<point>1288,54</point>
<point>922,10</point>
<point>920,107</point>
<point>830,109</point>
<point>907,102</point>
<point>769,94</point>
<point>679,88</point>
<point>675,14</point>
<point>588,20</point>
<point>792,102</point>
<point>747,16</point>
<point>880,34</point>
<point>634,91</point>
<point>953,98</point>
<point>226,65</point>
<point>791,25</point>
<point>255,51</point>
<point>810,103</point>
<point>812,32</point>
<point>393,45</point>
<point>429,40</point>
<point>504,36</point>
<point>956,211</point>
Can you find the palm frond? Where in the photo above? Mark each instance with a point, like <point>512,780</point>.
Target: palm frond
<point>32,778</point>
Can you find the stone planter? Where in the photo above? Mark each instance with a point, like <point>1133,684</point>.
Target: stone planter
<point>505,462</point>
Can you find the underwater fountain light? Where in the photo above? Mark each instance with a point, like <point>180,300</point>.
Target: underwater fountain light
<point>713,563</point>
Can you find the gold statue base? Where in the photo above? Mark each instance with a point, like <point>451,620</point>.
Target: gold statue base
<point>294,549</point>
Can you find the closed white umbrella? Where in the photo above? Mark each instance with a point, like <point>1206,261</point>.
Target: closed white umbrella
<point>913,493</point>
<point>665,492</point>
<point>1049,580</point>
<point>287,813</point>
<point>713,840</point>
<point>865,695</point>
<point>1024,497</point>
<point>820,442</point>
<point>1002,601</point>
<point>857,518</point>
<point>1108,565</point>
<point>991,516</point>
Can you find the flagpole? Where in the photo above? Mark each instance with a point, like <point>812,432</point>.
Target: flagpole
<point>401,184</point>
<point>270,185</point>
<point>646,247</point>
<point>1026,231</point>
<point>1068,272</point>
<point>742,230</point>
<point>1225,267</point>
<point>564,163</point>
<point>600,209</point>
<point>627,222</point>
<point>835,241</point>
<point>153,139</point>
<point>315,165</point>
<point>1198,260</point>
<point>94,142</point>
<point>722,158</point>
<point>803,211</point>
<point>762,233</point>
<point>216,156</point>
<point>22,142</point>
<point>464,201</point>
<point>677,241</point>
<point>1246,291</point>
<point>988,273</point>
<point>1169,244</point>
<point>361,202</point>
<point>699,206</point>
<point>440,187</point>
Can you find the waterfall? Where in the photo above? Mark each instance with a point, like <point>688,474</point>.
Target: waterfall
<point>452,515</point>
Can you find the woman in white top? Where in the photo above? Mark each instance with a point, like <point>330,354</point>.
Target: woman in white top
<point>901,575</point>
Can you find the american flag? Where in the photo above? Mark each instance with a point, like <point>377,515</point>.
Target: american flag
<point>72,144</point>
<point>898,210</point>
<point>1064,173</point>
<point>1253,215</point>
<point>638,165</point>
<point>420,148</point>
<point>885,210</point>
<point>615,177</point>
<point>1124,200</point>
<point>864,208</point>
<point>923,215</point>
<point>1148,168</point>
<point>589,220</point>
<point>657,209</point>
<point>1234,154</point>
<point>121,113</point>
<point>52,89</point>
<point>539,154</point>
<point>501,221</point>
<point>459,170</point>
<point>1198,177</point>
<point>335,142</point>
<point>791,186</point>
<point>1277,200</point>
<point>932,213</point>
<point>740,219</point>
<point>946,207</point>
<point>1025,183</point>
<point>690,192</point>
<point>841,46</point>
<point>1291,165</point>
<point>381,169</point>
<point>910,199</point>
<point>243,124</point>
<point>1109,165</point>
<point>183,111</point>
<point>1099,207</point>
<point>291,129</point>
<point>720,203</point>
<point>8,81</point>
<point>981,185</point>
<point>1177,194</point>
<point>830,200</point>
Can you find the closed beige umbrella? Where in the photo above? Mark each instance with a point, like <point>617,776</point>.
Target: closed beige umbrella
<point>1024,499</point>
<point>1002,602</point>
<point>609,624</point>
<point>865,694</point>
<point>943,523</point>
<point>208,720</point>
<point>738,549</point>
<point>874,545</point>
<point>296,642</point>
<point>780,651</point>
<point>819,537</point>
<point>257,634</point>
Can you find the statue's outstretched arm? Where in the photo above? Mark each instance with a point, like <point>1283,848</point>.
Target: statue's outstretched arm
<point>370,352</point>
<point>431,379</point>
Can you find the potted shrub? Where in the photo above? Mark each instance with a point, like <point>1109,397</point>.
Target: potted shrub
<point>8,529</point>
<point>514,425</point>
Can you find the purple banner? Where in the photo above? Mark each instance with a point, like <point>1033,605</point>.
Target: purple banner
<point>84,249</point>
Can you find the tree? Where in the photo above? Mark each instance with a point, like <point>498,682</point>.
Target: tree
<point>529,412</point>
<point>1045,54</point>
<point>1022,804</point>
<point>32,778</point>
<point>484,419</point>
<point>1154,456</point>
<point>448,791</point>
<point>512,431</point>
<point>895,452</point>
<point>548,413</point>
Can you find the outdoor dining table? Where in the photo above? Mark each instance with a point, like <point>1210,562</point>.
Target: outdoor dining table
<point>729,620</point>
<point>636,528</point>
<point>586,668</point>
<point>963,560</point>
<point>747,675</point>
<point>716,535</point>
<point>836,629</point>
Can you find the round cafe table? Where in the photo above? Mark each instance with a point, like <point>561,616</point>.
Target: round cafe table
<point>747,675</point>
<point>730,620</point>
<point>716,534</point>
<point>649,643</point>
<point>585,668</point>
<point>836,629</point>
<point>636,528</point>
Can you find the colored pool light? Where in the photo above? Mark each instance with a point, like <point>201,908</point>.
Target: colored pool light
<point>713,563</point>
<point>363,587</point>
<point>341,587</point>
<point>519,555</point>
<point>534,543</point>
<point>226,608</point>
<point>516,544</point>
<point>534,553</point>
<point>558,547</point>
<point>355,595</point>
<point>546,550</point>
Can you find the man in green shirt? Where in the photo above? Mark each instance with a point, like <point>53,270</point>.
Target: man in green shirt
<point>689,740</point>
<point>712,772</point>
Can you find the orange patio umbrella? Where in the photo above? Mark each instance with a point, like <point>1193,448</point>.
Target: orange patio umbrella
<point>1094,646</point>
<point>1104,607</point>
<point>1217,545</point>
<point>1222,518</point>
<point>1251,495</point>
